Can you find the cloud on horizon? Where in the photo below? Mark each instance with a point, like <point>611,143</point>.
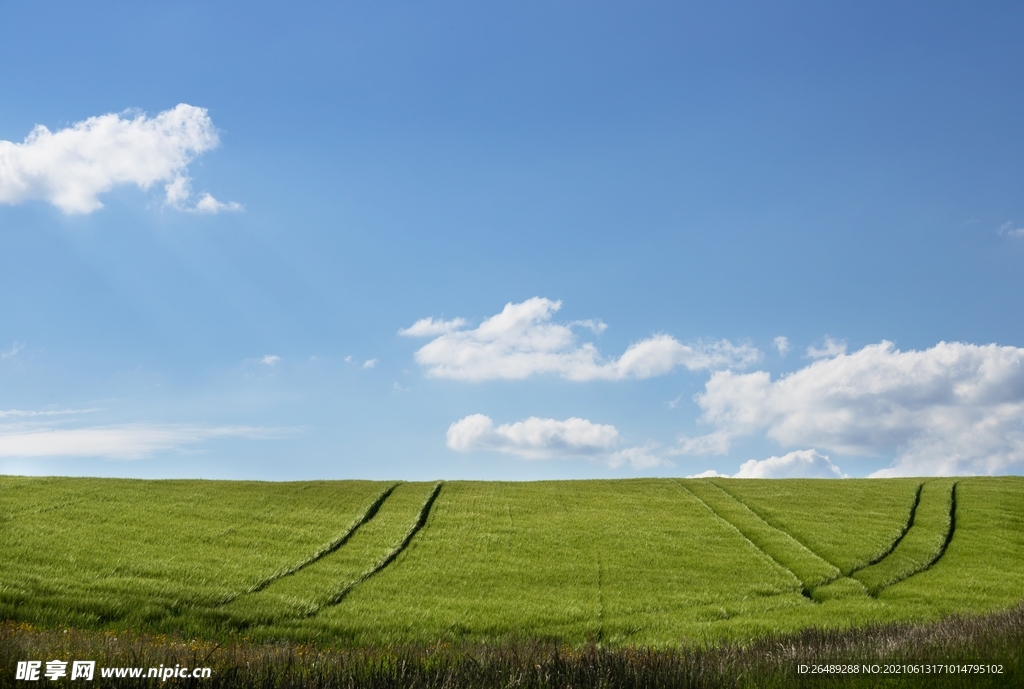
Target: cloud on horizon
<point>71,167</point>
<point>522,341</point>
<point>797,464</point>
<point>953,409</point>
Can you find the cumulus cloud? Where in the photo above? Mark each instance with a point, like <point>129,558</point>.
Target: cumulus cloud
<point>534,438</point>
<point>370,363</point>
<point>952,409</point>
<point>270,359</point>
<point>537,438</point>
<point>522,341</point>
<point>133,441</point>
<point>782,344</point>
<point>71,167</point>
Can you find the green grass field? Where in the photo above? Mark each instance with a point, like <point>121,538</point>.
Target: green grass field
<point>634,562</point>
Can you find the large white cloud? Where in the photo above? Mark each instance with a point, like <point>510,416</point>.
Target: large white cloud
<point>71,167</point>
<point>522,341</point>
<point>952,409</point>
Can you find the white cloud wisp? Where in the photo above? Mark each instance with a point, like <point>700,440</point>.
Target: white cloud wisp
<point>952,409</point>
<point>522,341</point>
<point>129,441</point>
<point>71,167</point>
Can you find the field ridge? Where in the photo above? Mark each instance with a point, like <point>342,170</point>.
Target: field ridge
<point>421,521</point>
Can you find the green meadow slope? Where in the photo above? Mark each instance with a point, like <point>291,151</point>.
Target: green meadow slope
<point>651,561</point>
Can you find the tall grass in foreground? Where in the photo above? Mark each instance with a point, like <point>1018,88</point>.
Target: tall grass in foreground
<point>769,662</point>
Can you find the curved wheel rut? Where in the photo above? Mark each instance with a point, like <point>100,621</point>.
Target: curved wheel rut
<point>421,521</point>
<point>931,530</point>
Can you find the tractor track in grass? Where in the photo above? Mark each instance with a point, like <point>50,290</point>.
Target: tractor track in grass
<point>804,591</point>
<point>341,540</point>
<point>922,565</point>
<point>421,521</point>
<point>903,532</point>
<point>838,574</point>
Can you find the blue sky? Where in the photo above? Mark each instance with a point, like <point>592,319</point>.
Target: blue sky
<point>651,194</point>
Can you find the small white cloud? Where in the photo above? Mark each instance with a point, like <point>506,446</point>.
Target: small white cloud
<point>832,348</point>
<point>594,325</point>
<point>782,344</point>
<point>672,404</point>
<point>537,438</point>
<point>522,341</point>
<point>71,167</point>
<point>270,359</point>
<point>370,363</point>
<point>534,438</point>
<point>798,464</point>
<point>133,441</point>
<point>13,351</point>
<point>209,205</point>
<point>1009,230</point>
<point>428,327</point>
<point>399,388</point>
<point>348,359</point>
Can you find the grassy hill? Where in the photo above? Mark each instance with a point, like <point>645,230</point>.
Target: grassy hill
<point>651,562</point>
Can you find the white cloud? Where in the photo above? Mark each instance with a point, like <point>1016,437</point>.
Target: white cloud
<point>832,348</point>
<point>116,442</point>
<point>782,344</point>
<point>537,438</point>
<point>952,409</point>
<point>370,363</point>
<point>534,438</point>
<point>716,443</point>
<point>13,351</point>
<point>644,457</point>
<point>270,359</point>
<point>428,327</point>
<point>71,167</point>
<point>522,341</point>
<point>1009,230</point>
<point>798,464</point>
